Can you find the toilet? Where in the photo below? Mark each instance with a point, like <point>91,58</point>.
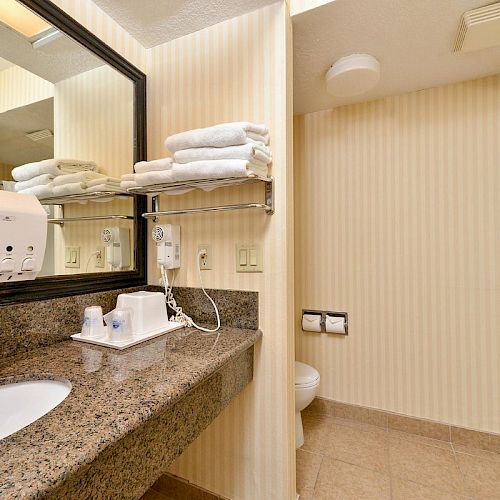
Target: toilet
<point>306,386</point>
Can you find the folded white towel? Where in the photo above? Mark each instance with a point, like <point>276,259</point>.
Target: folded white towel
<point>218,136</point>
<point>251,152</point>
<point>104,187</point>
<point>67,189</point>
<point>128,184</point>
<point>150,166</point>
<point>128,177</point>
<point>154,177</point>
<point>84,176</point>
<point>41,191</point>
<point>112,181</point>
<point>71,166</point>
<point>216,169</point>
<point>39,180</point>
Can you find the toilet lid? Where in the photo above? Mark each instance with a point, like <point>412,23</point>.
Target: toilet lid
<point>305,374</point>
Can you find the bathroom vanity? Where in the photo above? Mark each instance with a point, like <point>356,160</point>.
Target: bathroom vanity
<point>129,413</point>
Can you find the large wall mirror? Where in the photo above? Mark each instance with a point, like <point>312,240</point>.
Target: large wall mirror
<point>72,121</point>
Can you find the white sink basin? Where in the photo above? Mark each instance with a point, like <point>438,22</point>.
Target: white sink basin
<point>22,403</point>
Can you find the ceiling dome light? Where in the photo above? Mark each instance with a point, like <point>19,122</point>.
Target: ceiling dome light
<point>352,75</point>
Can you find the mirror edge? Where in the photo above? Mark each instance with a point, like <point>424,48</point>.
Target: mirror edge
<point>76,284</point>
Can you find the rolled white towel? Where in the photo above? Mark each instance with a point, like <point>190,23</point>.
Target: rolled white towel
<point>251,152</point>
<point>39,180</point>
<point>35,169</point>
<point>218,136</point>
<point>85,176</point>
<point>67,189</point>
<point>40,191</point>
<point>68,166</point>
<point>112,181</point>
<point>150,166</point>
<point>216,169</point>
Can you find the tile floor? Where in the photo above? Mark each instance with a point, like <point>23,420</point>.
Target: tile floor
<point>343,459</point>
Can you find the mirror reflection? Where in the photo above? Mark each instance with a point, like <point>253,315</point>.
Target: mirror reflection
<point>66,136</point>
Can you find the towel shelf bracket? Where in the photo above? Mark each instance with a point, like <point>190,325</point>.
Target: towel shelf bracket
<point>155,213</point>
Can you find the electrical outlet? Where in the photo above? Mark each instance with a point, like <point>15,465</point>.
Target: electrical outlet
<point>72,257</point>
<point>205,260</point>
<point>99,258</point>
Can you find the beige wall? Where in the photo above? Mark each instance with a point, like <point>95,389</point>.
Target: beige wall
<point>93,120</point>
<point>236,70</point>
<point>398,223</point>
<point>19,87</point>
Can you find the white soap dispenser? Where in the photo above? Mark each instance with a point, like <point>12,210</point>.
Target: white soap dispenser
<point>23,236</point>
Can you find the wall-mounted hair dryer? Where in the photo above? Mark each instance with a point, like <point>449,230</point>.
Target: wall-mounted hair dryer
<point>23,236</point>
<point>117,242</point>
<point>168,245</point>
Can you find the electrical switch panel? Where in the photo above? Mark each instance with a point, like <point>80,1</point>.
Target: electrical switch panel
<point>249,258</point>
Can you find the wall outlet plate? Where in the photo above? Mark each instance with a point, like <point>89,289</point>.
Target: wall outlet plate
<point>249,258</point>
<point>72,257</point>
<point>99,258</point>
<point>205,262</point>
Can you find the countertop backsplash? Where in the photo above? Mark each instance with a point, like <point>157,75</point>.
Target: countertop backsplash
<point>30,325</point>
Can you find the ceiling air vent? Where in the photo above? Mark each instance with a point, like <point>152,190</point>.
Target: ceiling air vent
<point>40,135</point>
<point>479,29</point>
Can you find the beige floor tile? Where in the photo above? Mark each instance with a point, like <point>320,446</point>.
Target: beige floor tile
<point>408,490</point>
<point>340,481</point>
<point>361,414</point>
<point>359,425</point>
<point>427,465</point>
<point>476,452</point>
<point>482,476</point>
<point>357,444</point>
<point>469,437</point>
<point>317,429</point>
<point>420,439</point>
<point>308,465</point>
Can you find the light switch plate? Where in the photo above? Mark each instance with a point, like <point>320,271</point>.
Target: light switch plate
<point>249,258</point>
<point>72,257</point>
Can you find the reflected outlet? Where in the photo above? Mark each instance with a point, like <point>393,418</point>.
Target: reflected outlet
<point>99,258</point>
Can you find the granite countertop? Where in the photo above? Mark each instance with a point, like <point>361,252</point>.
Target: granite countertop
<point>113,392</point>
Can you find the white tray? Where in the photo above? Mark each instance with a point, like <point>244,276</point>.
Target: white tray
<point>136,339</point>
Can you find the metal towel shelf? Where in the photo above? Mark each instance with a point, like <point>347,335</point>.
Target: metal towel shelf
<point>210,184</point>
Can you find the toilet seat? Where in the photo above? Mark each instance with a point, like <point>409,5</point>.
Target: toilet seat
<point>305,376</point>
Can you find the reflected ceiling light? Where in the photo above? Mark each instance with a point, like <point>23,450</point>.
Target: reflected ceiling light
<point>21,19</point>
<point>352,75</point>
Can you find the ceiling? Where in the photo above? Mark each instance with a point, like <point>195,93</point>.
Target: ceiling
<point>4,64</point>
<point>412,39</point>
<point>15,148</point>
<point>60,59</point>
<point>154,22</point>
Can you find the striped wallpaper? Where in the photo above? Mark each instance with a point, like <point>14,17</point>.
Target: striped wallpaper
<point>93,121</point>
<point>236,70</point>
<point>398,222</point>
<point>19,87</point>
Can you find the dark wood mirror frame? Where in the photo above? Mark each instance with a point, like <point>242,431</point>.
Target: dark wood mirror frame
<point>61,286</point>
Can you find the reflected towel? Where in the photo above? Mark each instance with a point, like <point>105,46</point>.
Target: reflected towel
<point>84,177</point>
<point>218,136</point>
<point>39,180</point>
<point>105,187</point>
<point>51,166</point>
<point>111,181</point>
<point>255,152</point>
<point>41,191</point>
<point>153,165</point>
<point>67,189</point>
